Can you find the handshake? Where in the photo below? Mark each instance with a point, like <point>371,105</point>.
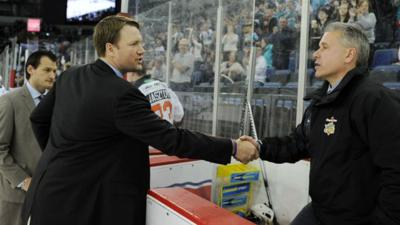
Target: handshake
<point>247,149</point>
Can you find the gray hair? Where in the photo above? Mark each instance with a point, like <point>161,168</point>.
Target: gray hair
<point>352,37</point>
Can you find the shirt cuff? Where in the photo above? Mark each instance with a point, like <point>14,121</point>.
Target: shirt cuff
<point>20,185</point>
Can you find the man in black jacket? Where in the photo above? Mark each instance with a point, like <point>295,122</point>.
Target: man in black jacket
<point>351,132</point>
<point>95,129</point>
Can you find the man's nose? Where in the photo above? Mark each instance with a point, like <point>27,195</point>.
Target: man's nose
<point>53,74</point>
<point>315,54</point>
<point>141,50</point>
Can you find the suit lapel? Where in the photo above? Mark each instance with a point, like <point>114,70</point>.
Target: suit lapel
<point>27,98</point>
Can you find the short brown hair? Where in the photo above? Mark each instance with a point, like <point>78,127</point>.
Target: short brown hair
<point>107,31</point>
<point>34,60</point>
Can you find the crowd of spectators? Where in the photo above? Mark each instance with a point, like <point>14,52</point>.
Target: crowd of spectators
<point>275,32</point>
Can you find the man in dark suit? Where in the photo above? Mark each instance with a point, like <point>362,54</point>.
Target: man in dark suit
<point>19,150</point>
<point>95,129</point>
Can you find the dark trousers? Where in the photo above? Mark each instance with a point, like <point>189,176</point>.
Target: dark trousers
<point>306,217</point>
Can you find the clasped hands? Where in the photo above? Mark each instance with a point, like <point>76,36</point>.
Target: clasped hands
<point>247,149</point>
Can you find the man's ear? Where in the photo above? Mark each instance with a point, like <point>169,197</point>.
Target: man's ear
<point>109,49</point>
<point>351,55</point>
<point>30,69</point>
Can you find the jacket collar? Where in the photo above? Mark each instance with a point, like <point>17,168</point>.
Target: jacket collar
<point>320,96</point>
<point>104,68</point>
<point>116,71</point>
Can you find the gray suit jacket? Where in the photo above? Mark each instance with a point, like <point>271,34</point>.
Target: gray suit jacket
<point>19,150</point>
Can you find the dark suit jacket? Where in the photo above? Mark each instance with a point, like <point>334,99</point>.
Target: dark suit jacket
<point>95,128</point>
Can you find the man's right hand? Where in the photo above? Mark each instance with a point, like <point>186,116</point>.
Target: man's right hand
<point>246,152</point>
<point>251,140</point>
<point>27,183</point>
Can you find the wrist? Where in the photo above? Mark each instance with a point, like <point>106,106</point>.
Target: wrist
<point>234,146</point>
<point>259,143</point>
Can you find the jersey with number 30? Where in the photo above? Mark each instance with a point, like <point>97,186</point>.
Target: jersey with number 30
<point>163,100</point>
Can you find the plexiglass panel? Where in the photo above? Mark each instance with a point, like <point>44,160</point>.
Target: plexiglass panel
<point>237,39</point>
<point>154,28</point>
<point>192,60</point>
<point>278,24</point>
<point>274,32</point>
<point>271,31</point>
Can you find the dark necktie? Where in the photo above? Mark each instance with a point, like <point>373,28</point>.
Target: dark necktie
<point>40,97</point>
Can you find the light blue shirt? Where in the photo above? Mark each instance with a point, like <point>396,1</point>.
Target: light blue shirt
<point>331,88</point>
<point>34,93</point>
<point>36,99</point>
<point>117,72</point>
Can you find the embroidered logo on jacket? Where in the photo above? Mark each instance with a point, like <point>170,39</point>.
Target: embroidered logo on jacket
<point>330,126</point>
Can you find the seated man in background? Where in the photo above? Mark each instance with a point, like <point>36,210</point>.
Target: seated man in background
<point>232,68</point>
<point>183,64</point>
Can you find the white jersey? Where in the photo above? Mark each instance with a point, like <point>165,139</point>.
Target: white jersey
<point>163,100</point>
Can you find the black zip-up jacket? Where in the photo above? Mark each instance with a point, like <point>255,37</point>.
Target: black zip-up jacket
<point>352,137</point>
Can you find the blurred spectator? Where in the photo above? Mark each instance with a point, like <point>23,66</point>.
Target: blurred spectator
<point>196,50</point>
<point>385,12</point>
<point>230,40</point>
<point>269,21</point>
<point>259,12</point>
<point>206,35</point>
<point>176,37</point>
<point>353,14</point>
<point>353,3</point>
<point>232,68</point>
<point>267,51</point>
<point>261,66</point>
<point>291,14</point>
<point>315,35</point>
<point>159,48</point>
<point>331,7</point>
<point>280,10</point>
<point>248,35</point>
<point>183,64</point>
<point>322,19</point>
<point>366,20</point>
<point>316,4</point>
<point>283,41</point>
<point>346,2</point>
<point>246,60</point>
<point>343,15</point>
<point>158,69</point>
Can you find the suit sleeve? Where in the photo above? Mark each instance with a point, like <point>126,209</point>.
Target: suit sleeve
<point>133,117</point>
<point>10,170</point>
<point>41,118</point>
<point>291,148</point>
<point>378,123</point>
